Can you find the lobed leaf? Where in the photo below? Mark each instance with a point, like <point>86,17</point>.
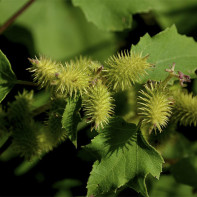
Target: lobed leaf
<point>124,158</point>
<point>57,30</point>
<point>166,48</point>
<point>114,15</point>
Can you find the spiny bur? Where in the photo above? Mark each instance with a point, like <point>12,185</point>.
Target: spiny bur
<point>76,76</point>
<point>44,71</point>
<point>185,108</point>
<point>70,78</point>
<point>97,103</point>
<point>23,127</point>
<point>54,133</point>
<point>125,69</point>
<point>20,110</point>
<point>154,106</point>
<point>25,140</point>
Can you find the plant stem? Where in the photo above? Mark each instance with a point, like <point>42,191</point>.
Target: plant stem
<point>41,109</point>
<point>6,145</point>
<point>165,82</point>
<point>29,83</point>
<point>139,125</point>
<point>13,18</point>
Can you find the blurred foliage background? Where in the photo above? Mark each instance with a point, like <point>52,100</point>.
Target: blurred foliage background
<point>65,29</point>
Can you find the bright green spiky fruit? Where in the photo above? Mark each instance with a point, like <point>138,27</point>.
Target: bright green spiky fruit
<point>45,71</point>
<point>125,69</point>
<point>97,103</point>
<point>70,79</point>
<point>154,106</point>
<point>185,108</point>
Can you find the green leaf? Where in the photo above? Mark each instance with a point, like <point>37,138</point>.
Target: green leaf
<point>174,146</point>
<point>7,76</point>
<point>167,187</point>
<point>71,118</point>
<point>114,15</point>
<point>185,171</point>
<point>179,12</point>
<point>58,29</point>
<point>166,48</point>
<point>124,158</point>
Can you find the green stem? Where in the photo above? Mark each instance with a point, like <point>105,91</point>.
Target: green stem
<point>6,145</point>
<point>139,125</point>
<point>14,17</point>
<point>41,109</point>
<point>29,83</point>
<point>165,82</point>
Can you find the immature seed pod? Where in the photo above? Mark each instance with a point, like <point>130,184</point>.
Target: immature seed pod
<point>20,110</point>
<point>54,131</point>
<point>73,79</point>
<point>45,71</point>
<point>154,106</point>
<point>25,140</point>
<point>185,108</point>
<point>24,129</point>
<point>97,104</point>
<point>123,70</point>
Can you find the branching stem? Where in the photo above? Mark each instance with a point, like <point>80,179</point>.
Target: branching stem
<point>13,18</point>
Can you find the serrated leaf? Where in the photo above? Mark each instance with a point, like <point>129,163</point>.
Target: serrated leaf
<point>185,171</point>
<point>71,118</point>
<point>124,158</point>
<point>166,48</point>
<point>114,15</point>
<point>56,29</point>
<point>7,76</point>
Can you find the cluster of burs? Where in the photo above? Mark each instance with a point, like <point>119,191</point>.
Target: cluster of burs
<point>96,85</point>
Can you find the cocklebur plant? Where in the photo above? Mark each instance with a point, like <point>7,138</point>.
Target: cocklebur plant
<point>83,93</point>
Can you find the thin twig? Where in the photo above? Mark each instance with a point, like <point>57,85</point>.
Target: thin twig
<point>13,18</point>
